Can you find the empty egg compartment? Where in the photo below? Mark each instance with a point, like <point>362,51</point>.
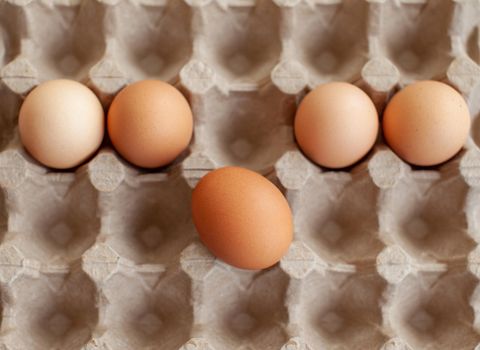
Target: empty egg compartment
<point>420,46</point>
<point>157,44</point>
<point>59,40</point>
<point>139,312</point>
<point>246,310</point>
<point>243,128</point>
<point>340,310</point>
<point>336,227</point>
<point>425,214</point>
<point>432,311</point>
<point>329,39</point>
<point>145,218</point>
<point>49,310</point>
<point>51,217</point>
<point>241,42</point>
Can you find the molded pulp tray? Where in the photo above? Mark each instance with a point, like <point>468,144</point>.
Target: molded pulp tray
<point>385,256</point>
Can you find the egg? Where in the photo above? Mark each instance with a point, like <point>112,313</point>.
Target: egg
<point>242,218</point>
<point>61,123</point>
<point>336,124</point>
<point>426,123</point>
<point>150,123</point>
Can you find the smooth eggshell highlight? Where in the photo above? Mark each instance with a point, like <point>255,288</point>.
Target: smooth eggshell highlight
<point>426,123</point>
<point>150,123</point>
<point>61,123</point>
<point>242,218</point>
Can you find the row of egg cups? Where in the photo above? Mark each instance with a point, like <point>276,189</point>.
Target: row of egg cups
<point>150,123</point>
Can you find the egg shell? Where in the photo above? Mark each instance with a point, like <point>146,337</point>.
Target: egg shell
<point>426,123</point>
<point>242,217</point>
<point>150,123</point>
<point>336,124</point>
<point>61,123</point>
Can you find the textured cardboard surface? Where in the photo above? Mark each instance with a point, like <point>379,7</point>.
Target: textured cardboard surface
<point>106,256</point>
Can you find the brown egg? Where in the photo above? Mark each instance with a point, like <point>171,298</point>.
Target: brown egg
<point>61,123</point>
<point>150,123</point>
<point>426,123</point>
<point>242,217</point>
<point>336,125</point>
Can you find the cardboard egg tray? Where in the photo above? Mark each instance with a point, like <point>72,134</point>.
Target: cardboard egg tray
<point>105,257</point>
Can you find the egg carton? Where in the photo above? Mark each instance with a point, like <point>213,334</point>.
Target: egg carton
<point>106,257</point>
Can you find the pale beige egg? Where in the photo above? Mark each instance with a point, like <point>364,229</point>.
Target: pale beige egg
<point>61,123</point>
<point>336,124</point>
